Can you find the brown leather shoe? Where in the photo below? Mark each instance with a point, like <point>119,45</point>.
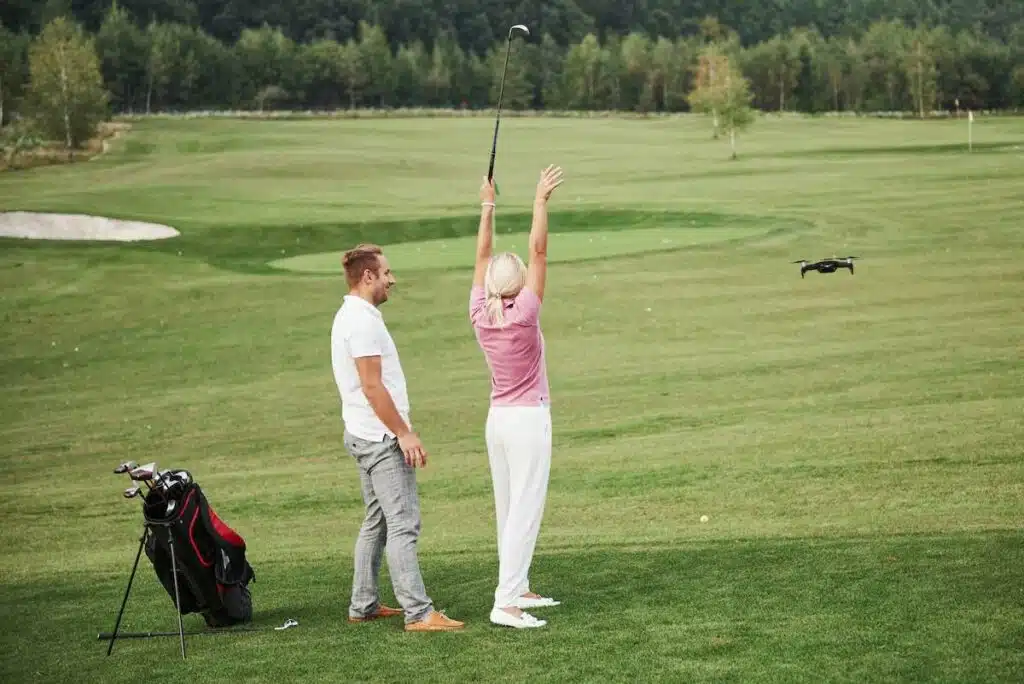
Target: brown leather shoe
<point>436,621</point>
<point>382,612</point>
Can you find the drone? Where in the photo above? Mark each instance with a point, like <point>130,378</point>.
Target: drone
<point>826,265</point>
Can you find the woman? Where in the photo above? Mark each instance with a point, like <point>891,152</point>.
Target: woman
<point>504,308</point>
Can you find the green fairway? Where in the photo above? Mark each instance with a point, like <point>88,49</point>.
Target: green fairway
<point>857,441</point>
<point>581,246</point>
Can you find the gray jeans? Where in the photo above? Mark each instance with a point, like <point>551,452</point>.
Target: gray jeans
<point>392,522</point>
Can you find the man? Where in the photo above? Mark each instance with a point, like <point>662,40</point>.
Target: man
<point>379,436</point>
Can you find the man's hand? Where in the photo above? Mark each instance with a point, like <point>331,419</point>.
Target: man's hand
<point>413,449</point>
<point>550,178</point>
<point>487,190</point>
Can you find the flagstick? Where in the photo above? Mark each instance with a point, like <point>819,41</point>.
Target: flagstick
<point>970,132</point>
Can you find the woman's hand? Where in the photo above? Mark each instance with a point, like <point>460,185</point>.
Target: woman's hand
<point>487,191</point>
<point>550,178</point>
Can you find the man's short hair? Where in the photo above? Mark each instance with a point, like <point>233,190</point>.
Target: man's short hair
<point>360,259</point>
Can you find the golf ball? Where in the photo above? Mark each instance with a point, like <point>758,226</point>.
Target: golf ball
<point>703,518</point>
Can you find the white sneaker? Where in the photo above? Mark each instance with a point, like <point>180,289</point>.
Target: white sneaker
<point>525,602</point>
<point>501,617</point>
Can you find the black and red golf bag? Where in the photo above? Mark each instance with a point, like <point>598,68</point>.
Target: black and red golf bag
<point>213,573</point>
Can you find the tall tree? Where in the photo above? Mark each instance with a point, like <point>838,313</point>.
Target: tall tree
<point>354,74</point>
<point>856,75</point>
<point>438,80</point>
<point>66,93</point>
<point>549,60</point>
<point>13,69</point>
<point>806,44</point>
<point>884,46</point>
<point>722,91</point>
<point>921,71</point>
<point>581,74</point>
<point>123,50</point>
<point>735,112</point>
<point>376,57</point>
<point>709,91</point>
<point>322,64</point>
<point>637,92</point>
<point>409,70</point>
<point>268,57</point>
<point>660,69</point>
<point>830,62</point>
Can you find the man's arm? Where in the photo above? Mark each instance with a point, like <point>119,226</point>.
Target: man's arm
<point>369,368</point>
<point>485,232</point>
<point>377,394</point>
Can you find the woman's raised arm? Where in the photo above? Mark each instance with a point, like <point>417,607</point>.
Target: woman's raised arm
<point>537,269</point>
<point>485,233</point>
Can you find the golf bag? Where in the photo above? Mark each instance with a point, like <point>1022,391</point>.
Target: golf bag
<point>213,573</point>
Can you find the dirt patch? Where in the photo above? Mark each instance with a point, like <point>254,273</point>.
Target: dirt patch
<point>35,226</point>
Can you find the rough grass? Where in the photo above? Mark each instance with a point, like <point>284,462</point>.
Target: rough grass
<point>854,440</point>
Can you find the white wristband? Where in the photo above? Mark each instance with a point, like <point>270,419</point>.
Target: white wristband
<point>487,204</point>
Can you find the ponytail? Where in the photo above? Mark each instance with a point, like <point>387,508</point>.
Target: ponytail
<point>495,308</point>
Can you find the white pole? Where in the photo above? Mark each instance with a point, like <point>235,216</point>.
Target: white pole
<point>970,131</point>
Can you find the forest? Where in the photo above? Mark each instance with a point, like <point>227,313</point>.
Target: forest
<point>916,56</point>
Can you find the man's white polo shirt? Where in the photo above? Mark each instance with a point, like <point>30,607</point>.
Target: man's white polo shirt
<point>359,330</point>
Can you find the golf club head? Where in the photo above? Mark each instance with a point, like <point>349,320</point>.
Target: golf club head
<point>125,467</point>
<point>520,27</point>
<point>172,483</point>
<point>144,472</point>
<point>132,492</point>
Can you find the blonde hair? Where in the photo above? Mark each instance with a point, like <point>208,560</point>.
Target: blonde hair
<point>505,277</point>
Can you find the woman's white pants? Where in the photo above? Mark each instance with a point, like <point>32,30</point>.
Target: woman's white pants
<point>519,450</point>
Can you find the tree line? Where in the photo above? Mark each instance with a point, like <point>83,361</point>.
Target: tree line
<point>891,66</point>
<point>476,24</point>
<point>67,78</point>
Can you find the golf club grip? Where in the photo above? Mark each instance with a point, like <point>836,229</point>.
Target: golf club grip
<point>494,149</point>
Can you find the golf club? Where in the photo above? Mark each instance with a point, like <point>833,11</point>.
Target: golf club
<point>154,481</point>
<point>501,92</point>
<point>146,473</point>
<point>143,472</point>
<point>291,622</point>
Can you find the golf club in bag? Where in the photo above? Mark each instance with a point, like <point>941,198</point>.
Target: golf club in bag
<point>501,92</point>
<point>199,560</point>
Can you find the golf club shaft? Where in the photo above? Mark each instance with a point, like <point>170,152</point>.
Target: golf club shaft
<point>146,635</point>
<point>497,120</point>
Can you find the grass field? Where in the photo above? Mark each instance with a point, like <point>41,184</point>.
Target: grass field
<point>856,441</point>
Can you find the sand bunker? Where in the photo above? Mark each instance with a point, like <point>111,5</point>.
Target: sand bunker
<point>23,224</point>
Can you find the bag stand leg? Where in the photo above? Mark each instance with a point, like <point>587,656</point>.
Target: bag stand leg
<point>177,595</point>
<point>124,602</point>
